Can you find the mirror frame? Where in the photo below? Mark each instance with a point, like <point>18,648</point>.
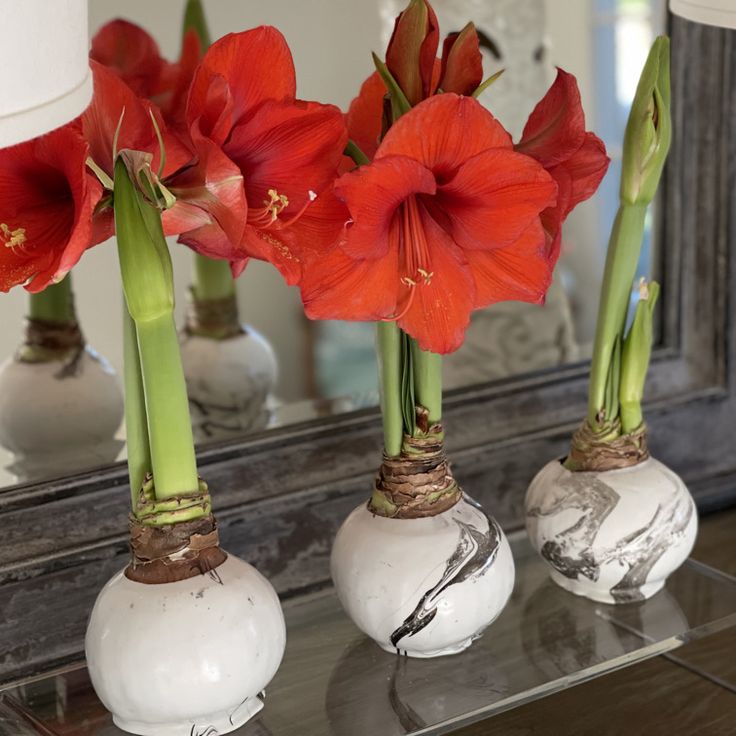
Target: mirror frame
<point>281,495</point>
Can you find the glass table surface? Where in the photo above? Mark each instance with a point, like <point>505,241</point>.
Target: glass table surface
<point>336,682</point>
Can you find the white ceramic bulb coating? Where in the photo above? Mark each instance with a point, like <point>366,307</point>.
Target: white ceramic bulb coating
<point>612,536</point>
<point>183,658</point>
<point>423,587</point>
<point>56,406</point>
<point>228,382</point>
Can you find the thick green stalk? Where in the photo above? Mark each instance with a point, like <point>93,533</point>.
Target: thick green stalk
<point>54,304</point>
<point>194,18</point>
<point>427,381</point>
<point>646,144</point>
<point>145,266</point>
<point>167,408</point>
<point>620,270</point>
<point>212,279</point>
<point>136,422</point>
<point>389,368</point>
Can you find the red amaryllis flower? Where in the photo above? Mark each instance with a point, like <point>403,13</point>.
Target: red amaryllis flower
<point>46,202</point>
<point>134,56</point>
<point>287,150</point>
<point>445,220</point>
<point>555,136</point>
<point>207,185</point>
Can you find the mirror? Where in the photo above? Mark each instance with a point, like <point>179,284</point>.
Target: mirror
<point>329,367</point>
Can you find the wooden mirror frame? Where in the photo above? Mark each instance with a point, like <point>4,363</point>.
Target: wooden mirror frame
<point>280,496</point>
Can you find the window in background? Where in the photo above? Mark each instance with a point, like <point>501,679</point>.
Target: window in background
<point>623,32</point>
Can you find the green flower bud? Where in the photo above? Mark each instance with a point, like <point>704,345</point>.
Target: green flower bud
<point>649,128</point>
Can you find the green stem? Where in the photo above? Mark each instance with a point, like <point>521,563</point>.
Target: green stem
<point>148,283</point>
<point>427,381</point>
<point>212,279</point>
<point>167,408</point>
<point>136,422</point>
<point>389,363</point>
<point>353,151</point>
<point>54,304</point>
<point>631,416</point>
<point>194,18</point>
<point>620,270</point>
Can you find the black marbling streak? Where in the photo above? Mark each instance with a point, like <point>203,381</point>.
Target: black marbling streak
<point>571,552</point>
<point>475,551</point>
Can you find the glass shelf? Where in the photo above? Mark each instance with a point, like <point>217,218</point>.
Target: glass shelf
<point>335,682</point>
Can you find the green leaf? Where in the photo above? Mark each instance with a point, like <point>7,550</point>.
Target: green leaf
<point>481,88</point>
<point>399,104</point>
<point>408,400</point>
<point>637,352</point>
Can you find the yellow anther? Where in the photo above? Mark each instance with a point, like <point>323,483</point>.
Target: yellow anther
<point>12,238</point>
<point>276,204</point>
<point>407,281</point>
<point>426,275</point>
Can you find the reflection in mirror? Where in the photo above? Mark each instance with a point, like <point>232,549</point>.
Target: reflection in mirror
<point>303,369</point>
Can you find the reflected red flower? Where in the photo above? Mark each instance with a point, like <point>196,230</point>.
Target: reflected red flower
<point>555,136</point>
<point>286,150</point>
<point>445,220</point>
<point>133,54</point>
<point>47,198</point>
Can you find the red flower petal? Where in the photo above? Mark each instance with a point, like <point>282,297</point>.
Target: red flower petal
<point>45,191</point>
<point>177,81</point>
<point>521,272</point>
<point>494,197</point>
<point>462,63</point>
<point>291,147</point>
<point>131,53</point>
<point>256,66</point>
<point>319,228</point>
<point>365,117</point>
<point>440,310</point>
<point>274,248</point>
<point>443,132</point>
<point>112,99</point>
<point>214,185</point>
<point>373,194</point>
<point>586,168</point>
<point>336,286</point>
<point>553,217</point>
<point>205,236</point>
<point>556,128</point>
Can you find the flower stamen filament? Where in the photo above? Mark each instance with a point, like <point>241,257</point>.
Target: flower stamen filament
<point>415,252</point>
<point>268,215</point>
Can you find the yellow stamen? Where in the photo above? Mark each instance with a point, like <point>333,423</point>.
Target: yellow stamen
<point>426,275</point>
<point>12,238</point>
<point>276,204</point>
